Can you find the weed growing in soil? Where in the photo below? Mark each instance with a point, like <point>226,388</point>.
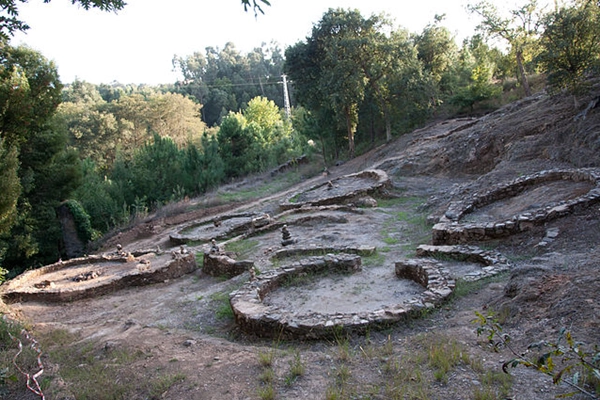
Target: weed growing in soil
<point>265,358</point>
<point>267,378</point>
<point>296,370</point>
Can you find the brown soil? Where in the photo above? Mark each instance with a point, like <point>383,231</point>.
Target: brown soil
<point>554,283</point>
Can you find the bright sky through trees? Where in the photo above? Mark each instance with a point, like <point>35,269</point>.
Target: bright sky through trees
<point>137,45</point>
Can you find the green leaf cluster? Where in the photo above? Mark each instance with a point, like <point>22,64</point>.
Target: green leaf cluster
<point>82,220</point>
<point>257,138</point>
<point>571,46</point>
<point>565,360</point>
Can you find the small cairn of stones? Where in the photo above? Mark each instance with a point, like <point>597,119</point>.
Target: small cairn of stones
<point>179,254</point>
<point>286,237</point>
<point>214,247</point>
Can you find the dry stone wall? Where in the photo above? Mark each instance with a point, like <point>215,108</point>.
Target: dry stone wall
<point>134,271</point>
<point>449,230</point>
<point>349,190</point>
<point>257,318</point>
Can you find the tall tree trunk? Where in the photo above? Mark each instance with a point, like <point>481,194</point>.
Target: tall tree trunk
<point>388,123</point>
<point>350,128</point>
<point>522,73</point>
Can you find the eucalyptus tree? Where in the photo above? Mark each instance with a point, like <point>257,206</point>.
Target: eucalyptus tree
<point>520,30</point>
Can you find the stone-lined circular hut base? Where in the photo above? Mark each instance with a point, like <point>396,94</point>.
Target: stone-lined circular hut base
<point>221,227</point>
<point>473,262</point>
<point>96,275</point>
<point>343,190</point>
<point>260,311</point>
<point>450,230</point>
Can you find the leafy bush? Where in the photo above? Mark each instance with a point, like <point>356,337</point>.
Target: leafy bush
<point>82,220</point>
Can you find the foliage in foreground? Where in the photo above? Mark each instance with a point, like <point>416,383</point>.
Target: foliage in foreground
<point>564,360</point>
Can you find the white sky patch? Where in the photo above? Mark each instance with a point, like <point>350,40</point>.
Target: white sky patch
<point>137,45</point>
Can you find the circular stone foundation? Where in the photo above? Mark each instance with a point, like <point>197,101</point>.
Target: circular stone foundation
<point>222,227</point>
<point>277,303</point>
<point>533,198</point>
<point>93,276</point>
<point>341,190</point>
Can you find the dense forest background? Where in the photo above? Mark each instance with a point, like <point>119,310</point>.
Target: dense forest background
<point>114,152</point>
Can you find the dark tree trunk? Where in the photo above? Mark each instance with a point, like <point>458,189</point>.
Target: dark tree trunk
<point>523,74</point>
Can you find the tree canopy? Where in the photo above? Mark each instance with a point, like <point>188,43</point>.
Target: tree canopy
<point>225,80</point>
<point>571,45</point>
<point>521,30</point>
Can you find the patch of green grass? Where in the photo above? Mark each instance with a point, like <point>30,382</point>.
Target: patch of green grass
<point>374,260</point>
<point>266,392</point>
<point>500,381</point>
<point>443,354</point>
<point>412,201</point>
<point>10,378</point>
<point>242,248</point>
<point>221,305</point>
<point>80,365</point>
<point>299,279</point>
<point>261,189</point>
<point>162,384</point>
<point>405,222</point>
<point>464,288</point>
<point>387,239</point>
<point>200,259</point>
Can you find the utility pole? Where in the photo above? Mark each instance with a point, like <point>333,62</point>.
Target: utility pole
<point>286,97</point>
